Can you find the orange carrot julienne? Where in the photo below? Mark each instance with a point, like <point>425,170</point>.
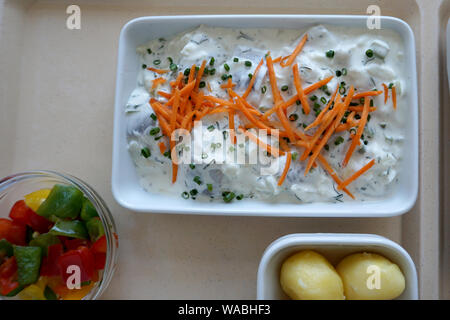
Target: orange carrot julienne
<point>273,80</point>
<point>192,73</point>
<point>356,175</point>
<point>157,82</point>
<point>227,85</point>
<point>386,92</point>
<point>162,147</point>
<point>286,124</point>
<point>361,108</point>
<point>270,149</point>
<point>319,118</point>
<point>209,87</point>
<point>333,174</point>
<point>187,119</point>
<point>183,92</point>
<point>276,60</point>
<point>199,75</point>
<point>367,94</point>
<point>164,94</point>
<point>300,92</point>
<point>252,80</point>
<point>176,104</point>
<point>394,97</point>
<point>296,51</point>
<point>159,71</point>
<point>357,136</point>
<point>286,169</point>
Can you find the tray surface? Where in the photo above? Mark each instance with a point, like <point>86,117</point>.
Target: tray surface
<point>56,102</point>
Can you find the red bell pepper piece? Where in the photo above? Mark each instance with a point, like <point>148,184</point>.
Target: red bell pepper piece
<point>73,244</point>
<point>22,214</point>
<point>99,261</point>
<point>83,258</point>
<point>50,266</point>
<point>8,276</point>
<point>13,232</point>
<point>99,246</point>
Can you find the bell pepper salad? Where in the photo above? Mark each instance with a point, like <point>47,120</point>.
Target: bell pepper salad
<point>52,239</point>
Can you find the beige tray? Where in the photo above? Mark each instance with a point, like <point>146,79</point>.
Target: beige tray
<point>56,103</point>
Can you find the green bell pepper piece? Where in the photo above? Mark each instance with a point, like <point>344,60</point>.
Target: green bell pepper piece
<point>6,249</point>
<point>49,294</point>
<point>62,202</point>
<point>44,241</point>
<point>28,263</point>
<point>73,229</point>
<point>95,229</point>
<point>88,210</point>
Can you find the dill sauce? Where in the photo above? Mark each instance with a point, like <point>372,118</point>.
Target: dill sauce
<point>237,52</point>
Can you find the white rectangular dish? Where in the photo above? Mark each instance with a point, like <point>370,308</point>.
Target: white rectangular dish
<point>125,185</point>
<point>334,246</point>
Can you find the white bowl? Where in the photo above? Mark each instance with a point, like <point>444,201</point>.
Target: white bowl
<point>125,182</point>
<point>334,246</point>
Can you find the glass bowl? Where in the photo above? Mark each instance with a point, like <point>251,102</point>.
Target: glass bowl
<point>16,186</point>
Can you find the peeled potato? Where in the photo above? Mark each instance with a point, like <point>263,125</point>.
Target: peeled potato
<point>369,276</point>
<point>307,275</point>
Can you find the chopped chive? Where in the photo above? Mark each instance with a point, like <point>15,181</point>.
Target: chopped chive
<point>153,116</point>
<point>211,62</point>
<point>323,100</point>
<point>167,155</point>
<point>144,66</point>
<point>212,71</point>
<point>369,53</point>
<point>338,73</point>
<point>173,67</point>
<point>263,89</point>
<point>383,125</point>
<point>226,67</point>
<point>149,51</point>
<point>293,117</point>
<point>202,84</point>
<point>344,71</point>
<point>391,85</point>
<point>236,60</point>
<point>313,98</point>
<point>197,180</point>
<point>327,147</point>
<point>187,71</point>
<point>224,77</point>
<point>185,195</point>
<point>342,90</point>
<point>193,192</point>
<point>368,117</point>
<point>145,152</point>
<point>210,128</point>
<point>225,134</point>
<point>366,142</point>
<point>298,102</point>
<point>248,63</point>
<point>228,196</point>
<point>338,141</point>
<point>192,166</point>
<point>250,75</point>
<point>157,138</point>
<point>197,68</point>
<point>294,156</point>
<point>240,197</point>
<point>154,131</point>
<point>357,117</point>
<point>170,60</point>
<point>330,53</point>
<point>156,62</point>
<point>284,88</point>
<point>210,187</point>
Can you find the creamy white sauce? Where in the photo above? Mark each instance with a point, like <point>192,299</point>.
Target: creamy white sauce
<point>384,133</point>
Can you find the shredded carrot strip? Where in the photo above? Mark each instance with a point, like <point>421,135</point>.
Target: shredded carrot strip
<point>162,147</point>
<point>187,119</point>
<point>331,129</point>
<point>394,97</point>
<point>183,92</point>
<point>192,73</point>
<point>357,136</point>
<point>319,118</point>
<point>367,94</point>
<point>209,87</point>
<point>164,94</point>
<point>200,75</point>
<point>361,109</point>
<point>159,71</point>
<point>296,51</point>
<point>252,80</point>
<point>276,60</point>
<point>356,175</point>
<point>228,85</point>
<point>270,149</point>
<point>286,125</point>
<point>178,80</point>
<point>333,174</point>
<point>157,82</point>
<point>218,100</point>
<point>386,92</point>
<point>300,92</point>
<point>176,104</point>
<point>273,80</point>
<point>231,125</point>
<point>286,169</point>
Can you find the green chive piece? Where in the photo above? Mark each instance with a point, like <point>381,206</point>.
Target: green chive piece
<point>197,180</point>
<point>185,195</point>
<point>391,85</point>
<point>210,187</point>
<point>210,128</point>
<point>327,147</point>
<point>145,152</point>
<point>211,62</point>
<point>170,60</point>
<point>298,102</point>
<point>323,100</point>
<point>144,66</point>
<point>187,71</point>
<point>153,116</point>
<point>236,60</point>
<point>338,141</point>
<point>248,63</point>
<point>226,67</point>
<point>212,71</point>
<point>250,75</point>
<point>294,156</point>
<point>173,67</point>
<point>330,53</point>
<point>313,98</point>
<point>154,131</point>
<point>149,51</point>
<point>202,84</point>
<point>338,73</point>
<point>344,71</point>
<point>284,88</point>
<point>240,197</point>
<point>192,166</point>
<point>228,196</point>
<point>193,192</point>
<point>369,53</point>
<point>156,62</point>
<point>293,117</point>
<point>263,89</point>
<point>224,77</point>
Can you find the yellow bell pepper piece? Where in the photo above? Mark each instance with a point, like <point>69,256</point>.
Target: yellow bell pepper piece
<point>78,294</point>
<point>34,199</point>
<point>32,292</point>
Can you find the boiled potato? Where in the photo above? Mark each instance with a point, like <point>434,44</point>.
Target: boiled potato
<point>369,276</point>
<point>307,275</point>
